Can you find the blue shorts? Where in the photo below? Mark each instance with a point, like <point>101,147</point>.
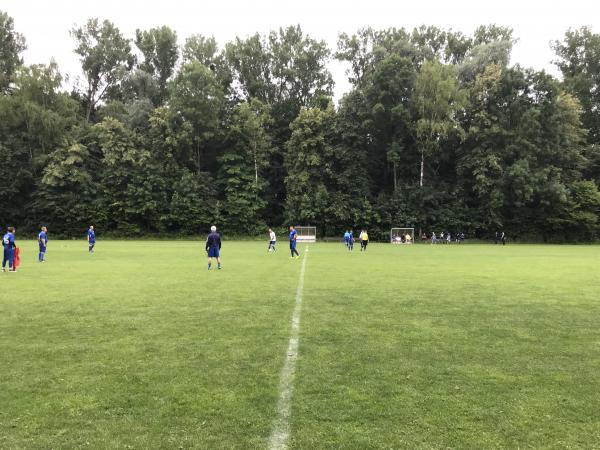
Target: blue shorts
<point>213,252</point>
<point>292,244</point>
<point>42,248</point>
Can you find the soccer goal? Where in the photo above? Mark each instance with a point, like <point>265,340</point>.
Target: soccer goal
<point>306,234</point>
<point>402,235</point>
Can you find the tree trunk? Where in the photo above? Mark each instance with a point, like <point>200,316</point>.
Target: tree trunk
<point>198,157</point>
<point>395,178</point>
<point>422,168</point>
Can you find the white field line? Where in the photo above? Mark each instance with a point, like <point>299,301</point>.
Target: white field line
<point>281,426</point>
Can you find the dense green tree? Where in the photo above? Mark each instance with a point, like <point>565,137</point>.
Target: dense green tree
<point>242,166</point>
<point>160,51</point>
<point>105,59</point>
<point>12,44</point>
<point>198,99</point>
<point>437,101</point>
<point>579,62</point>
<point>309,165</point>
<point>35,120</point>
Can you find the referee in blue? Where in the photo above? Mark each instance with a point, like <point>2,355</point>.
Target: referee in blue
<point>213,247</point>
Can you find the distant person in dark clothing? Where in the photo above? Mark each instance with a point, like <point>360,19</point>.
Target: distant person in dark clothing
<point>503,238</point>
<point>213,247</point>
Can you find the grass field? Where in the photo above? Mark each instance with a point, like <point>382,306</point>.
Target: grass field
<point>402,347</point>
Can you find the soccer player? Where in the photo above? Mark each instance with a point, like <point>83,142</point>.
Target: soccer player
<point>8,242</point>
<point>213,247</point>
<point>293,237</point>
<point>272,241</point>
<point>43,243</point>
<point>91,238</point>
<point>351,241</point>
<point>364,241</point>
<point>347,239</point>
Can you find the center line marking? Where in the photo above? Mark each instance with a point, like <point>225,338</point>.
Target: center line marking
<point>281,426</point>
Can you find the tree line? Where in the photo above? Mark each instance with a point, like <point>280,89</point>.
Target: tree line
<point>439,132</point>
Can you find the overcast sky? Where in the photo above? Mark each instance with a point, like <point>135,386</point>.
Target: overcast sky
<point>46,24</point>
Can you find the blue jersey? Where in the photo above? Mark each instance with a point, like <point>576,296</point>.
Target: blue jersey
<point>43,238</point>
<point>213,240</point>
<point>293,235</point>
<point>8,241</point>
<point>91,236</point>
<point>346,236</point>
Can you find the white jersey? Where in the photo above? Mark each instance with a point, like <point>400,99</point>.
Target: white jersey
<point>272,235</point>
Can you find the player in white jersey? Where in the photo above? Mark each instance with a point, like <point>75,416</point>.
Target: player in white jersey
<point>272,241</point>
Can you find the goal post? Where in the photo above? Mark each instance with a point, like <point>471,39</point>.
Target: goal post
<point>402,235</point>
<point>306,234</point>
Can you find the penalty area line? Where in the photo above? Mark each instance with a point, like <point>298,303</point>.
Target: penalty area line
<point>281,427</point>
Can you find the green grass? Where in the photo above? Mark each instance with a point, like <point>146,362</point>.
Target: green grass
<point>405,347</point>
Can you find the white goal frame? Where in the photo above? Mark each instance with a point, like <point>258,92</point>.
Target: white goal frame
<point>306,234</point>
<point>397,233</point>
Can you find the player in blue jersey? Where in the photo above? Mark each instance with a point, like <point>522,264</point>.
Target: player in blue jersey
<point>293,237</point>
<point>213,247</point>
<point>347,239</point>
<point>91,238</point>
<point>351,241</point>
<point>8,242</point>
<point>43,243</point>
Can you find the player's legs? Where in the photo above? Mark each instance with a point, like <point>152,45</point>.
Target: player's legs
<point>11,260</point>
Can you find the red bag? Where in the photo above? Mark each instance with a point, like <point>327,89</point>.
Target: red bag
<point>17,260</point>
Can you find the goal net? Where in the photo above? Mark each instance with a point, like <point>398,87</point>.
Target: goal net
<point>402,235</point>
<point>306,234</point>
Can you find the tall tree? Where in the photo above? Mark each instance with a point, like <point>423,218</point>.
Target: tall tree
<point>160,51</point>
<point>437,100</point>
<point>105,57</point>
<point>198,99</point>
<point>309,164</point>
<point>242,166</point>
<point>579,62</point>
<point>11,46</point>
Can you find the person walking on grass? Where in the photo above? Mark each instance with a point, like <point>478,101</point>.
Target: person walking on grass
<point>272,241</point>
<point>351,241</point>
<point>42,243</point>
<point>347,239</point>
<point>364,241</point>
<point>293,238</point>
<point>213,247</point>
<point>91,238</point>
<point>8,242</point>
